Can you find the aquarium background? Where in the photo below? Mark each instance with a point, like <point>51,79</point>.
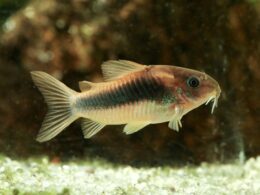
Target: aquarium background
<point>71,38</point>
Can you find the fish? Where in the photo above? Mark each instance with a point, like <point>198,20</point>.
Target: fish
<point>133,94</point>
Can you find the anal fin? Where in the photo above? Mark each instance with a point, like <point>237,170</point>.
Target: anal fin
<point>90,127</point>
<point>134,127</point>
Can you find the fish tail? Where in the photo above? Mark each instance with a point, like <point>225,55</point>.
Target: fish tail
<point>59,100</point>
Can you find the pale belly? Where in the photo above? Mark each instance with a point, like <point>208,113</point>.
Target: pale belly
<point>147,111</point>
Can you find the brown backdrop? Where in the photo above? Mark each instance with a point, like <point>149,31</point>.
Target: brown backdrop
<point>70,39</point>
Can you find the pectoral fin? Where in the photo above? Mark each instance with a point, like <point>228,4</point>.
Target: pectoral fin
<point>175,122</point>
<point>134,127</point>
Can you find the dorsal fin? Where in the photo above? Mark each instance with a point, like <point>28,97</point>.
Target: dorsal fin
<point>114,69</point>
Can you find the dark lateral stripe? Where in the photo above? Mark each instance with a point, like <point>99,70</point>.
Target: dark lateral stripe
<point>136,90</point>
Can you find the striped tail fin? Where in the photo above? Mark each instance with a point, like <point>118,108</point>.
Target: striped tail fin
<point>58,98</point>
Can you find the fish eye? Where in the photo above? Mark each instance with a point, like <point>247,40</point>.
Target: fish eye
<point>193,82</point>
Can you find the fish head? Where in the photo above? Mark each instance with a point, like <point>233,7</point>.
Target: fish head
<point>193,88</point>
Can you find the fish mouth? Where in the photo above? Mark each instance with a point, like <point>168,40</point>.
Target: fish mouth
<point>214,99</point>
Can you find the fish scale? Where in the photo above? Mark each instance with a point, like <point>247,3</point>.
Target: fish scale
<point>128,92</point>
<point>124,97</point>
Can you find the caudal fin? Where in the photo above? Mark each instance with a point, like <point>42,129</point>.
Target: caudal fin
<point>58,98</point>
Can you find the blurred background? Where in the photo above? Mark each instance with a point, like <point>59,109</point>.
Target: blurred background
<point>71,38</point>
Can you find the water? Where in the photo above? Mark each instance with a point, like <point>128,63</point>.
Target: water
<point>70,40</point>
